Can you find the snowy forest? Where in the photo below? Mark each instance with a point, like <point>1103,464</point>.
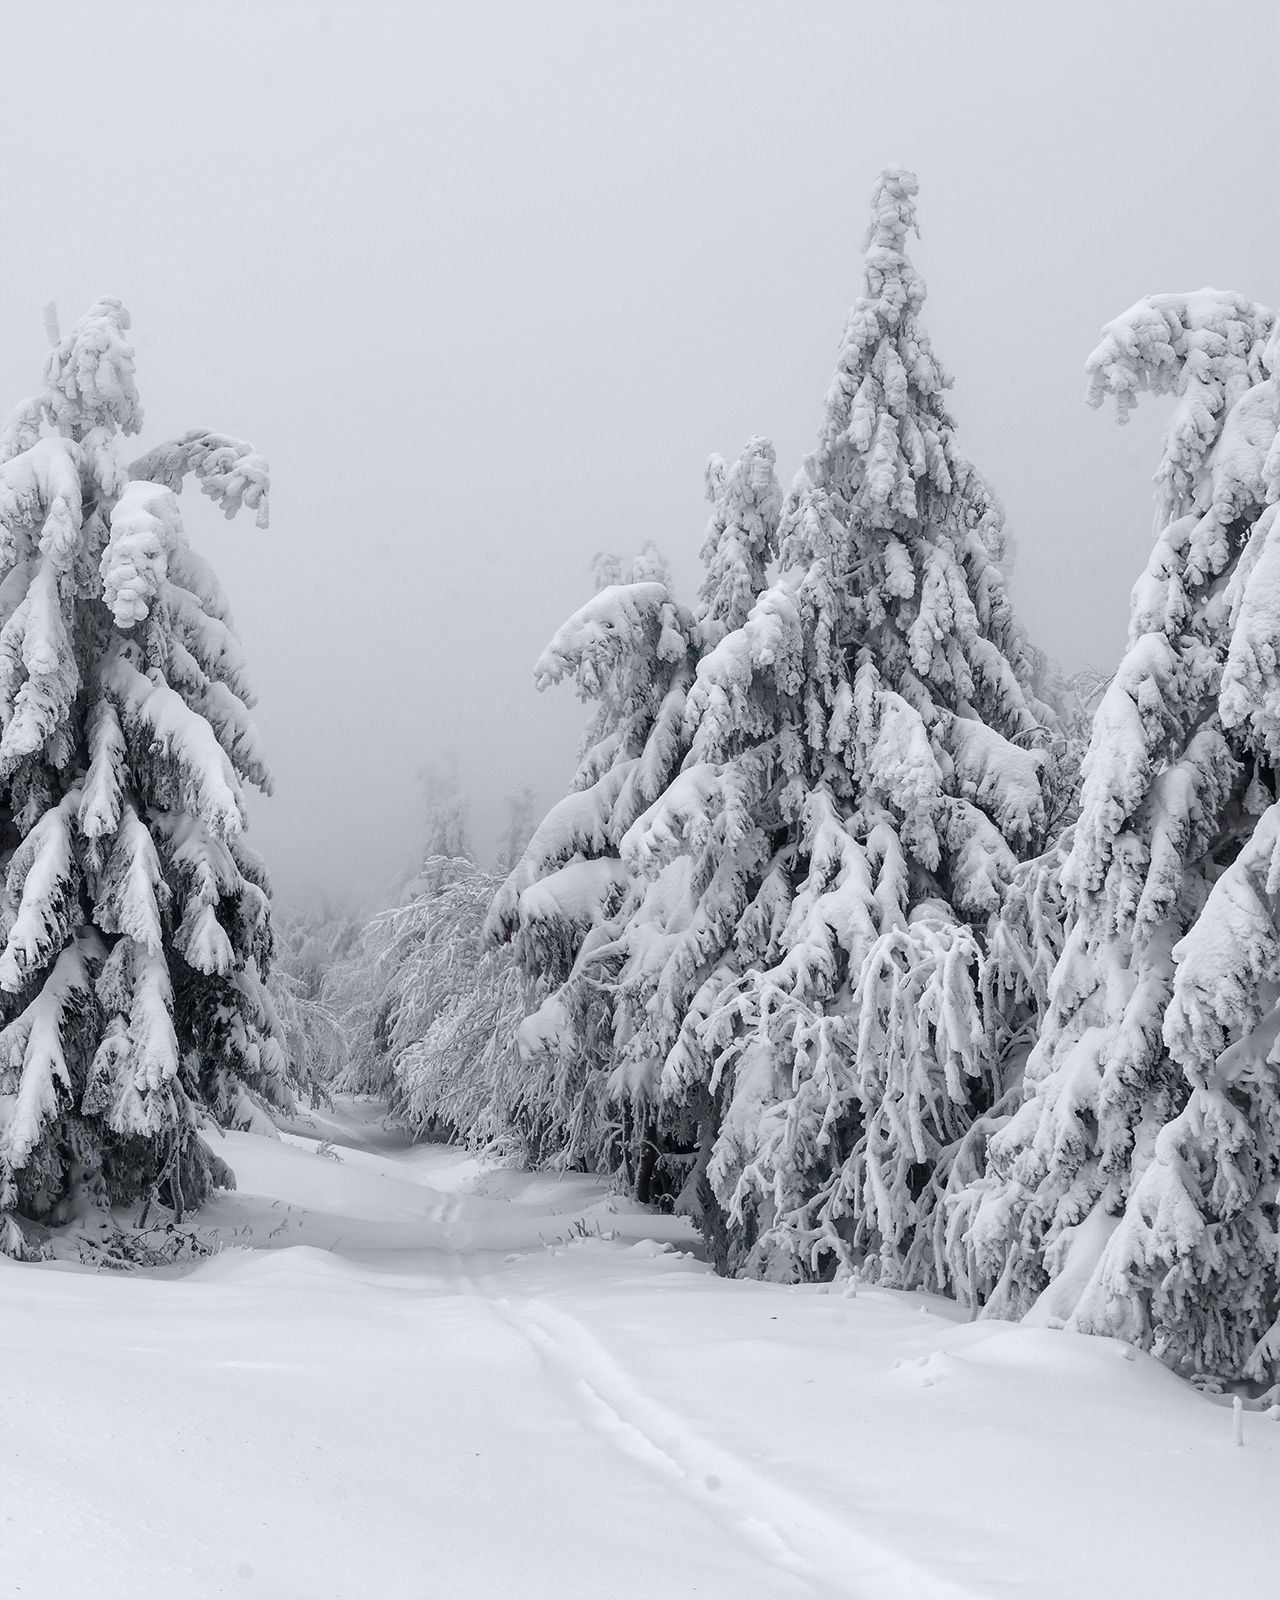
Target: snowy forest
<point>867,961</point>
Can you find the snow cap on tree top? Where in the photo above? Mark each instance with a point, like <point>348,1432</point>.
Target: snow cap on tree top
<point>89,374</point>
<point>893,212</point>
<point>885,430</point>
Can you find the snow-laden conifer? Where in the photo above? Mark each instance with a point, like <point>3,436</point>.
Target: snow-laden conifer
<point>1138,1182</point>
<point>870,736</point>
<point>135,918</point>
<point>522,818</point>
<point>365,990</point>
<point>314,944</point>
<point>630,652</point>
<point>431,1008</point>
<point>693,859</point>
<point>454,1005</point>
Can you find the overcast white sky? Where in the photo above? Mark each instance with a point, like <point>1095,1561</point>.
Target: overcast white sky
<point>488,282</point>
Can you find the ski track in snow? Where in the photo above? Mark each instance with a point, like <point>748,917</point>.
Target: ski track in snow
<point>527,1419</point>
<point>776,1524</point>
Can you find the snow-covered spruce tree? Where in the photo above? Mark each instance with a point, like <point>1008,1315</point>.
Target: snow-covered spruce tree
<point>694,859</point>
<point>135,919</point>
<point>313,943</point>
<point>1025,940</point>
<point>631,650</point>
<point>522,817</point>
<point>877,706</point>
<point>1138,1182</point>
<point>313,1040</point>
<point>429,1008</point>
<point>456,1005</point>
<point>364,991</point>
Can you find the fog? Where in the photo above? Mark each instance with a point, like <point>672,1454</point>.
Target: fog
<point>487,283</point>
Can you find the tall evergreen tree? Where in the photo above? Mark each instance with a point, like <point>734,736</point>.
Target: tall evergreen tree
<point>631,651</point>
<point>1138,1182</point>
<point>695,855</point>
<point>135,919</point>
<point>876,708</point>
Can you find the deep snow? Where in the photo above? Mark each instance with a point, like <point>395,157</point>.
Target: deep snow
<point>408,1376</point>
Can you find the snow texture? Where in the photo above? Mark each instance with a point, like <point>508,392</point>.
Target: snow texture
<point>473,1368</point>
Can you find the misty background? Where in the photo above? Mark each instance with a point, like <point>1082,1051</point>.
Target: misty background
<point>486,283</point>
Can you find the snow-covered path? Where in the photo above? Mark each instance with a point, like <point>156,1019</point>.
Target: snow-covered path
<point>408,1377</point>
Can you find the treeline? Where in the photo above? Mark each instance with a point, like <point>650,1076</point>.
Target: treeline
<point>859,937</point>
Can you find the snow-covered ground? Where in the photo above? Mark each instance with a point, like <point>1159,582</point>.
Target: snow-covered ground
<point>410,1377</point>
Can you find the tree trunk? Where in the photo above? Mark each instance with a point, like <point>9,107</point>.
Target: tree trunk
<point>648,1161</point>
